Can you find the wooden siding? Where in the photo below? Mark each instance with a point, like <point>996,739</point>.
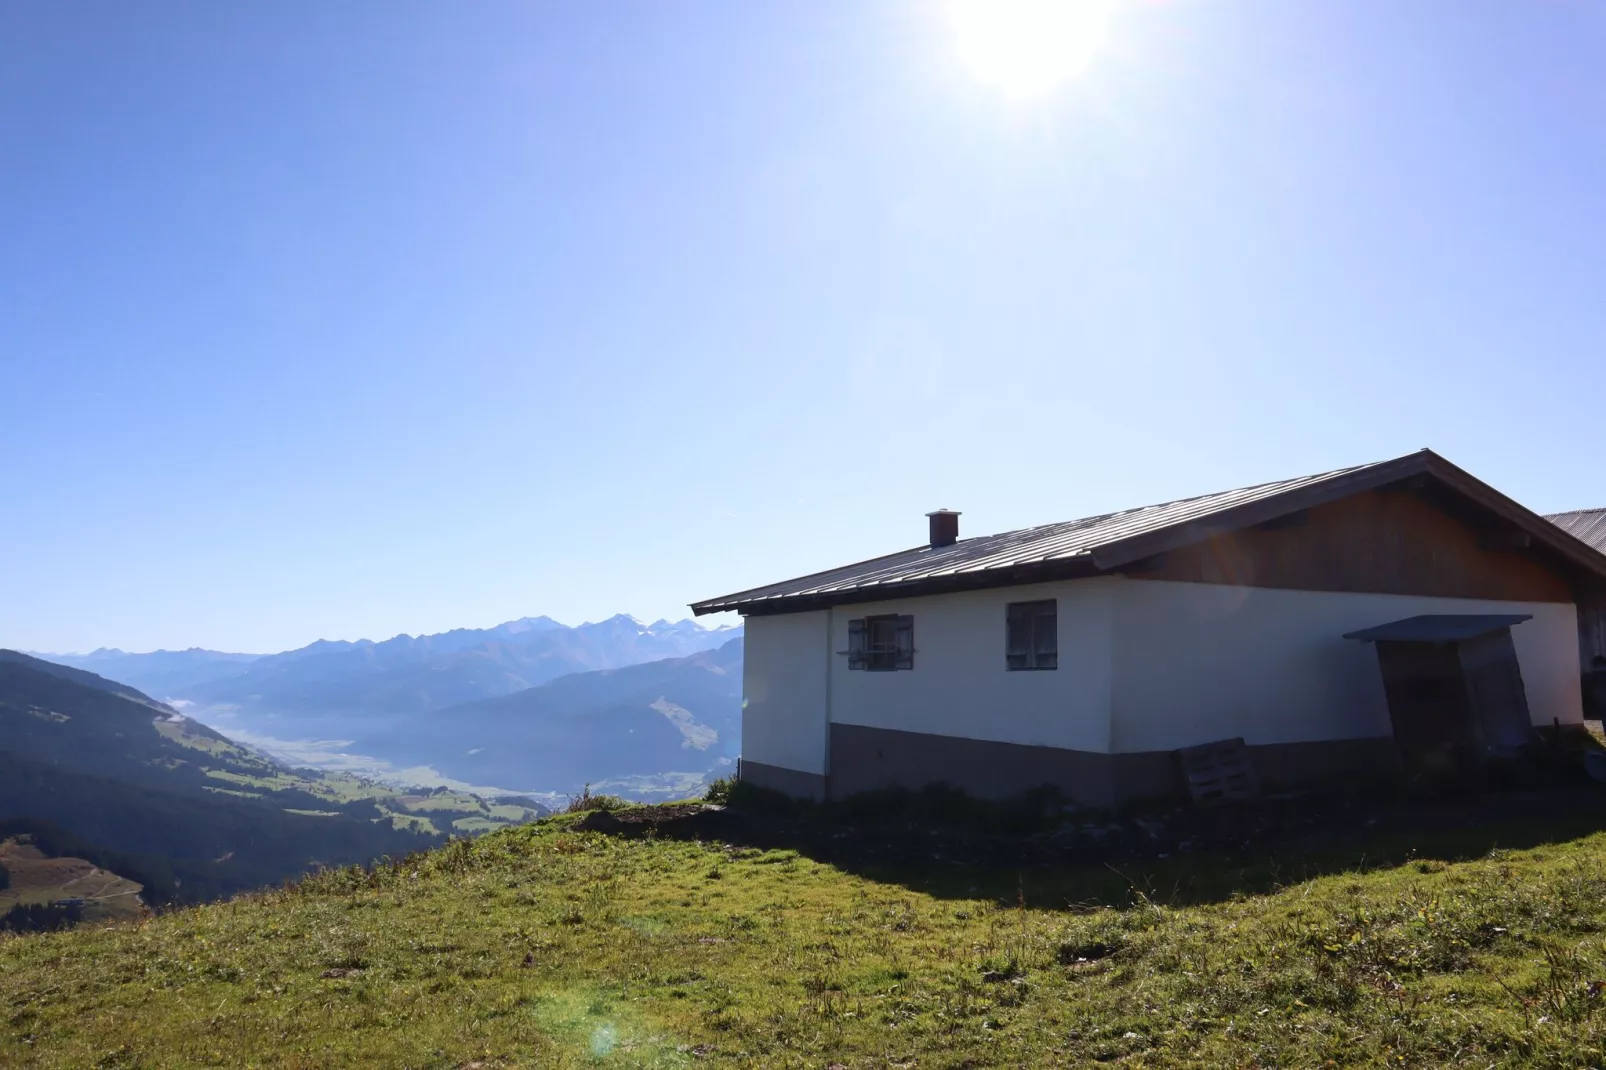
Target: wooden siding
<point>1382,542</point>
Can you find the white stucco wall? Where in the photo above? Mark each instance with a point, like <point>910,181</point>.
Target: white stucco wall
<point>960,686</point>
<point>785,662</point>
<point>1143,666</point>
<point>1199,662</point>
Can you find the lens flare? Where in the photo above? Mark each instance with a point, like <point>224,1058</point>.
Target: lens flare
<point>604,1039</point>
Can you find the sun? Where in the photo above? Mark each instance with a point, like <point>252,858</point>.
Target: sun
<point>1026,48</point>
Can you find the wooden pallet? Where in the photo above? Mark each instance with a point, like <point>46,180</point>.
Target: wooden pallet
<point>1216,772</point>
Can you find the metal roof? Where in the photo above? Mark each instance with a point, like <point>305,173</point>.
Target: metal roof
<point>1439,628</point>
<point>1586,524</point>
<point>1101,543</point>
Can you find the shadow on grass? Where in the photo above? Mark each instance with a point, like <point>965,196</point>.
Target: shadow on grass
<point>939,843</point>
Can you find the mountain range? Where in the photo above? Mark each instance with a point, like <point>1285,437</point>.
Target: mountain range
<point>161,672</point>
<point>530,704</point>
<point>675,715</point>
<point>405,674</point>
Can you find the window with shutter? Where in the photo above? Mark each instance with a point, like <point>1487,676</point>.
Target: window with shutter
<point>1031,635</point>
<point>882,643</point>
<point>881,649</point>
<point>904,655</point>
<point>856,658</point>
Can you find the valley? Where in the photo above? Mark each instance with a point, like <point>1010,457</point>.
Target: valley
<point>244,770</point>
<point>530,706</point>
<point>182,810</point>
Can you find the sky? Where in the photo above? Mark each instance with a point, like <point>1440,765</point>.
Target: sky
<point>346,320</point>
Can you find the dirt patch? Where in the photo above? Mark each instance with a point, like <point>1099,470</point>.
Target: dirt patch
<point>638,819</point>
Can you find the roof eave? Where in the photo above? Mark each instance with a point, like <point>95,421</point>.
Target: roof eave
<point>727,602</point>
<point>1077,567</point>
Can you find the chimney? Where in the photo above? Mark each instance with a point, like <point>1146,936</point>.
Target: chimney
<point>944,528</point>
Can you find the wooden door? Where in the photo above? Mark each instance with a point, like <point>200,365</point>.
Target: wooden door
<point>1495,692</point>
<point>1427,704</point>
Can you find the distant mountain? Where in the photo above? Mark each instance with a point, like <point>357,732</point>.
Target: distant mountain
<point>166,673</point>
<point>412,675</point>
<point>405,674</point>
<point>200,815</point>
<point>677,715</point>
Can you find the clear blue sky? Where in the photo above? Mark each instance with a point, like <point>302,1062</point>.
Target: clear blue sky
<point>351,319</point>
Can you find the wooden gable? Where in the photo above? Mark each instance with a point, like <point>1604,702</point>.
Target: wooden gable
<point>1379,541</point>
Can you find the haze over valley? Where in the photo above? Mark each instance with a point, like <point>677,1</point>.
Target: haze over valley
<point>531,705</point>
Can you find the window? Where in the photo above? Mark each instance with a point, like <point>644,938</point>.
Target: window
<point>1031,635</point>
<point>882,643</point>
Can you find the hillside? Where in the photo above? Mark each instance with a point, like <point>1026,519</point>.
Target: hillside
<point>80,676</point>
<point>547,946</point>
<point>35,879</point>
<point>197,815</point>
<point>678,715</point>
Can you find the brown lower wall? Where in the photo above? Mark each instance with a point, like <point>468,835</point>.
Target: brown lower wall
<point>787,781</point>
<point>864,759</point>
<point>1292,765</point>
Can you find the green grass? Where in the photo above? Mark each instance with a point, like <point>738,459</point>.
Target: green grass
<point>542,946</point>
<point>446,801</point>
<point>415,822</point>
<point>454,811</point>
<point>271,782</point>
<point>181,732</point>
<point>433,814</point>
<point>236,794</point>
<point>344,787</point>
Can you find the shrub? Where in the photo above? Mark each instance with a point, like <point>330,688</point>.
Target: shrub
<point>742,795</point>
<point>5,879</point>
<point>579,804</point>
